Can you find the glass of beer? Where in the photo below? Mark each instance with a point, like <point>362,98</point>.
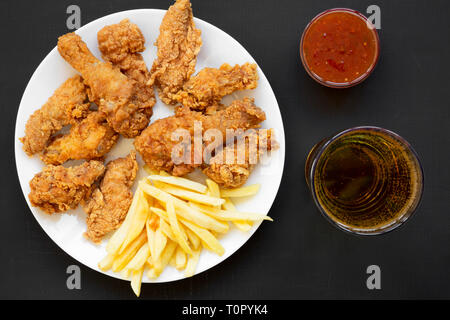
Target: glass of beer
<point>365,180</point>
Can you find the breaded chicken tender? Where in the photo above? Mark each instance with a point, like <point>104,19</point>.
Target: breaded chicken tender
<point>68,103</point>
<point>108,205</point>
<point>231,166</point>
<point>90,138</point>
<point>121,45</point>
<point>156,144</point>
<point>115,94</point>
<point>58,189</point>
<point>178,45</point>
<point>210,85</point>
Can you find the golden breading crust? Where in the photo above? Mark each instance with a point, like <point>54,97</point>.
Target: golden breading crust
<point>231,166</point>
<point>90,138</point>
<point>114,93</point>
<point>210,85</point>
<point>121,45</point>
<point>155,144</point>
<point>108,205</point>
<point>68,102</point>
<point>178,45</point>
<point>57,189</point>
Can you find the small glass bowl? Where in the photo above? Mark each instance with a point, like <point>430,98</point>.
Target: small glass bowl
<point>363,76</point>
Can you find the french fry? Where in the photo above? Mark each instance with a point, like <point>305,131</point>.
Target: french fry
<point>185,210</point>
<point>117,239</point>
<point>224,227</point>
<point>193,239</point>
<point>150,236</point>
<point>202,233</point>
<point>125,273</point>
<point>192,196</point>
<point>137,223</point>
<point>161,263</point>
<point>151,273</point>
<point>160,243</point>
<point>106,263</point>
<point>180,258</point>
<point>162,215</point>
<point>180,218</point>
<point>203,208</point>
<point>231,215</point>
<point>152,221</point>
<point>240,192</point>
<point>192,263</point>
<point>205,245</point>
<point>180,182</point>
<point>138,261</point>
<point>213,244</point>
<point>165,227</point>
<point>225,215</point>
<point>172,261</point>
<point>156,240</point>
<point>177,230</point>
<point>136,281</point>
<point>240,224</point>
<point>121,261</point>
<point>166,230</point>
<point>213,188</point>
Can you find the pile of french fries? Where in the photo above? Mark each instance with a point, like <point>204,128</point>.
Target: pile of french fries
<point>169,222</point>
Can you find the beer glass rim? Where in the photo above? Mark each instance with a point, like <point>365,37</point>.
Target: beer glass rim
<point>366,232</point>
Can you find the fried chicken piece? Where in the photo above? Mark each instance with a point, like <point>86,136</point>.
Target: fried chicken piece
<point>57,189</point>
<point>160,151</point>
<point>115,94</point>
<point>121,45</point>
<point>68,102</point>
<point>231,166</point>
<point>210,85</point>
<point>90,138</point>
<point>178,45</point>
<point>108,205</point>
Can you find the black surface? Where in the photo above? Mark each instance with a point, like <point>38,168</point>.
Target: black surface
<point>300,255</point>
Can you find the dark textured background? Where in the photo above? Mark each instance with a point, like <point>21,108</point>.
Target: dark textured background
<point>300,255</point>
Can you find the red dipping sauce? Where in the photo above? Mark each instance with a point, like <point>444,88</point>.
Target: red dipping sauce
<point>339,48</point>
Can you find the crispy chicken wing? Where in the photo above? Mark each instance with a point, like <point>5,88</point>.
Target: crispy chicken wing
<point>109,203</point>
<point>157,145</point>
<point>57,189</point>
<point>115,94</point>
<point>232,165</point>
<point>90,138</point>
<point>121,45</point>
<point>68,102</point>
<point>210,85</point>
<point>178,45</point>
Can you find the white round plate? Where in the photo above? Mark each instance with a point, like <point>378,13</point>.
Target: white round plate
<point>66,230</point>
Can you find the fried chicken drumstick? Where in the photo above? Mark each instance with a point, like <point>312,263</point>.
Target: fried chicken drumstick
<point>109,203</point>
<point>232,165</point>
<point>115,94</point>
<point>121,45</point>
<point>57,189</point>
<point>156,146</point>
<point>210,85</point>
<point>178,45</point>
<point>68,103</point>
<point>90,138</point>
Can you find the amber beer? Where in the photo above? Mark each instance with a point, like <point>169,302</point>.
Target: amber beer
<point>365,180</point>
